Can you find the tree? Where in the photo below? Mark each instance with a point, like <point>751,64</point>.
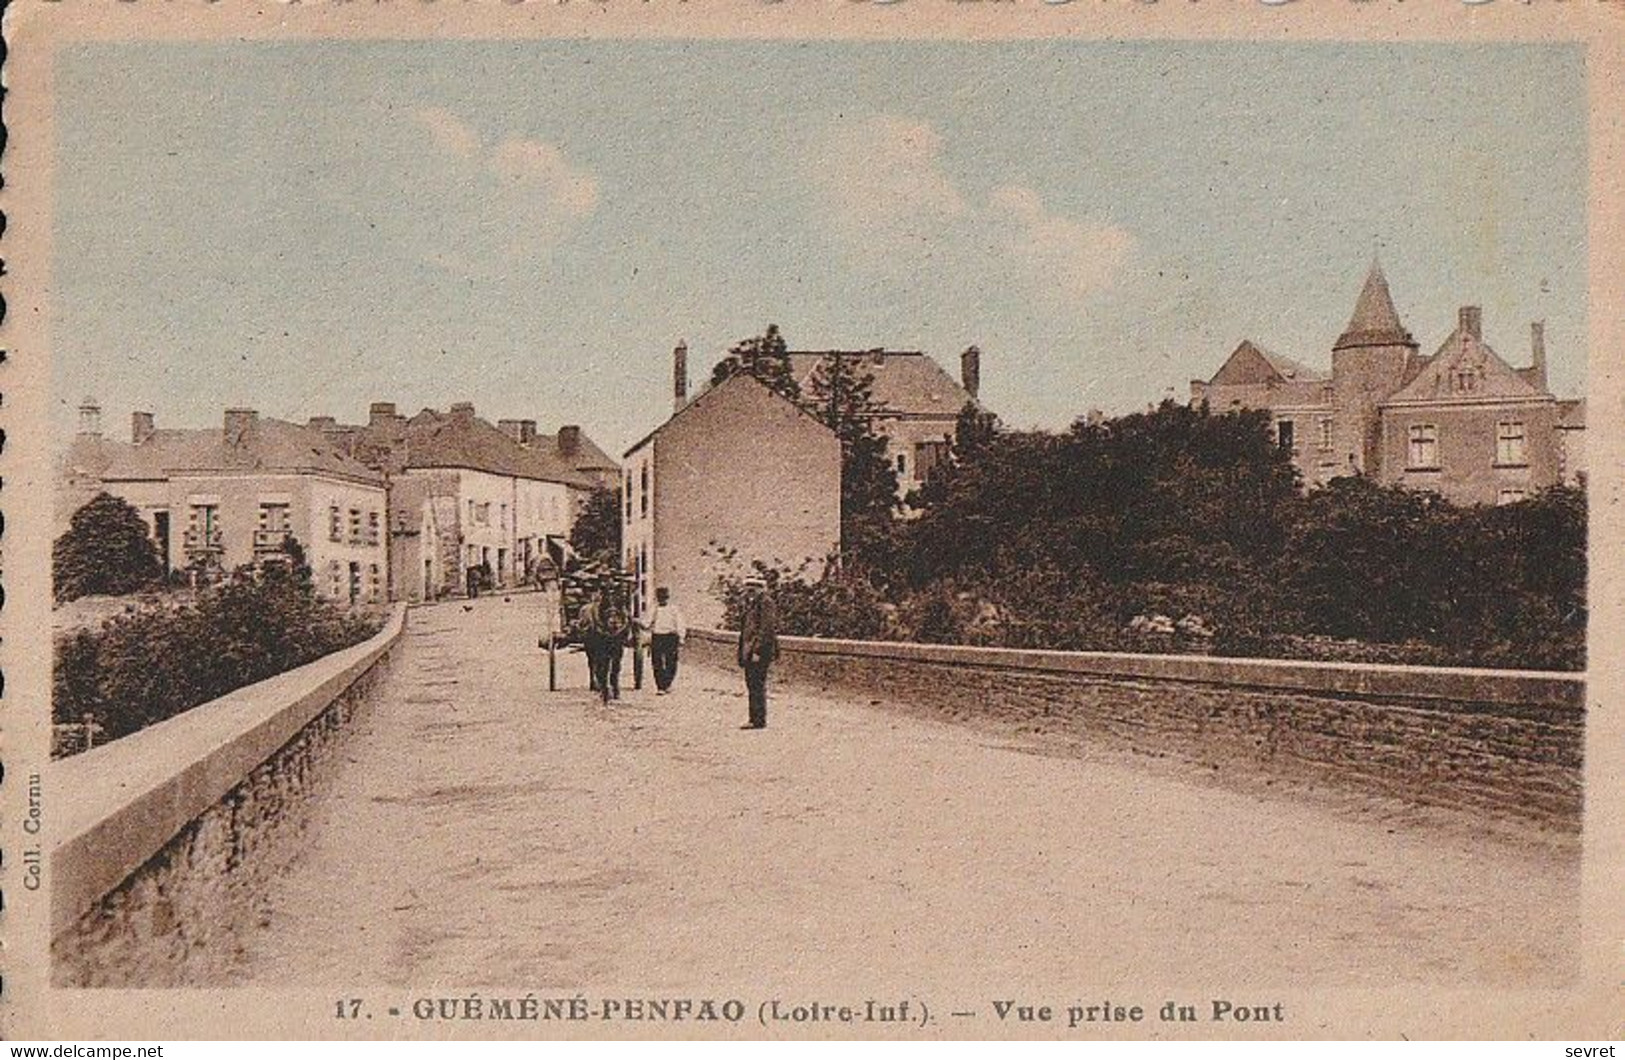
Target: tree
<point>107,550</point>
<point>766,357</point>
<point>840,393</point>
<point>596,534</point>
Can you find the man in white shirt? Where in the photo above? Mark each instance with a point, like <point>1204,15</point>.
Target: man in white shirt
<point>667,632</point>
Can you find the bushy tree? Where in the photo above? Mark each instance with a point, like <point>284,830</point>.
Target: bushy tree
<point>764,356</point>
<point>107,550</point>
<point>596,533</point>
<point>840,393</point>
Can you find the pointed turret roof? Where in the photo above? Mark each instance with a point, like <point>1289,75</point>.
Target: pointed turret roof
<point>1375,322</point>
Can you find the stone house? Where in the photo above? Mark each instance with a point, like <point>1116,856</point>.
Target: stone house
<point>219,498</point>
<point>1462,422</point>
<point>738,474</point>
<point>919,401</point>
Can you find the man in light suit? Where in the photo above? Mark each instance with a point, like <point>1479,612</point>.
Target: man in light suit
<point>758,647</point>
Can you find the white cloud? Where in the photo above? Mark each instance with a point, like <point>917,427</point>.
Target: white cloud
<point>497,202</point>
<point>532,166</point>
<point>1073,258</point>
<point>881,182</point>
<point>885,192</point>
<point>448,132</point>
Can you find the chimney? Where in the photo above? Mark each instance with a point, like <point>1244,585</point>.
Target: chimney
<point>322,423</point>
<point>570,440</point>
<point>141,427</point>
<point>462,410</point>
<point>511,428</point>
<point>90,417</point>
<point>679,374</point>
<point>380,413</point>
<point>527,432</point>
<point>970,370</point>
<point>1470,320</point>
<point>240,427</point>
<point>1537,351</point>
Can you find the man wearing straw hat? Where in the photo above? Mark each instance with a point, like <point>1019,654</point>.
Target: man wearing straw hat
<point>758,646</point>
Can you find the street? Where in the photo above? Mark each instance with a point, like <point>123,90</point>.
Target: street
<point>484,831</point>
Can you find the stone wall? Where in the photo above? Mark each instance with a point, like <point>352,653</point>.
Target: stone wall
<point>162,855</point>
<point>1499,743</point>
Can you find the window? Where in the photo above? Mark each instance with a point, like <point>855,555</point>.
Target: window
<point>1424,447</point>
<point>355,526</point>
<point>1326,433</point>
<point>1465,379</point>
<point>274,527</point>
<point>1509,451</point>
<point>1511,496</point>
<point>274,517</point>
<point>372,528</point>
<point>902,464</point>
<point>504,523</point>
<point>203,529</point>
<point>1284,435</point>
<point>643,490</point>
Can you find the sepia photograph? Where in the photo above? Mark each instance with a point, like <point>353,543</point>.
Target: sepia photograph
<point>677,536</point>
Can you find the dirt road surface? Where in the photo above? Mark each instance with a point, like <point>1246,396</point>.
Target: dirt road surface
<point>483,831</point>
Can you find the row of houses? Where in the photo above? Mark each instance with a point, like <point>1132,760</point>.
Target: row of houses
<point>394,508</point>
<point>406,507</point>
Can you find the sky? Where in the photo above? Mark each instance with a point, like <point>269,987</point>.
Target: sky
<point>304,228</point>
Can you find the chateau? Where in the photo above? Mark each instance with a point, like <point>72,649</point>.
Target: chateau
<point>1462,423</point>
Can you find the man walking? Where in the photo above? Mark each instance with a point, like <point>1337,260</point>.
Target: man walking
<point>667,631</point>
<point>758,647</point>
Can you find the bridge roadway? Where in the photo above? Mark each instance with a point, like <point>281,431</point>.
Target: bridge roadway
<point>481,830</point>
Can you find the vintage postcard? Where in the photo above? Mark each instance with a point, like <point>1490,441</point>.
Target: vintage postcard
<point>746,520</point>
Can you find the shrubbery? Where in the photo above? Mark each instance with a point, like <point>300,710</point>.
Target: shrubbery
<point>1179,530</point>
<point>143,667</point>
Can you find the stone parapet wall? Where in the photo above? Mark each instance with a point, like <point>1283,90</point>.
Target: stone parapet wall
<point>166,835</point>
<point>1503,743</point>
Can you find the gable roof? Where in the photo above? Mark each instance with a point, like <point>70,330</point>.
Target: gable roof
<point>1465,368</point>
<point>463,440</point>
<point>1250,363</point>
<point>1374,322</point>
<point>272,445</point>
<point>907,382</point>
<point>589,456</point>
<point>708,394</point>
<point>88,456</point>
